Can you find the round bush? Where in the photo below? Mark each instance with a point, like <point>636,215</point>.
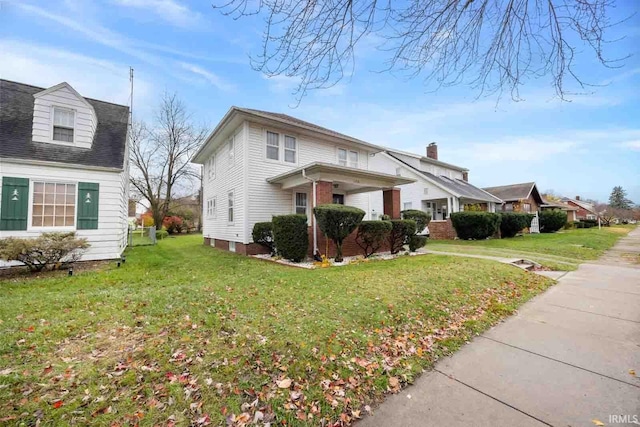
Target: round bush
<point>337,222</point>
<point>416,242</point>
<point>371,236</point>
<point>475,225</point>
<point>422,219</point>
<point>552,221</point>
<point>263,235</point>
<point>511,223</point>
<point>291,236</point>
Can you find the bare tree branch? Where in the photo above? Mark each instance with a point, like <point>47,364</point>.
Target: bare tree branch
<point>495,46</point>
<point>160,156</point>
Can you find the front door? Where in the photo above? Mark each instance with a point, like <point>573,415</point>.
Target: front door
<point>338,199</point>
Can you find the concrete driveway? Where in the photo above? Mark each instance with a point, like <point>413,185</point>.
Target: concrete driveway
<point>566,359</point>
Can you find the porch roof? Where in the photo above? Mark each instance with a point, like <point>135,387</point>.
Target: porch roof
<point>354,180</point>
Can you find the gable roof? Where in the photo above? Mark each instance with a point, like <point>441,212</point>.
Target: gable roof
<point>16,126</point>
<point>515,191</point>
<point>584,205</point>
<point>457,187</point>
<point>429,160</point>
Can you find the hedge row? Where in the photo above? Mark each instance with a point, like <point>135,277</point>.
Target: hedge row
<point>552,220</point>
<point>475,225</point>
<point>511,223</point>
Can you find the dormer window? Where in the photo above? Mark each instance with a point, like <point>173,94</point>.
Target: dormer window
<point>63,124</point>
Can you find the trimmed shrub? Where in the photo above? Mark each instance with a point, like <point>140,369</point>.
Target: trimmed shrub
<point>371,235</point>
<point>337,222</point>
<point>416,242</point>
<point>146,220</point>
<point>401,232</point>
<point>511,223</point>
<point>173,224</point>
<point>475,225</point>
<point>49,249</point>
<point>586,223</point>
<point>263,235</point>
<point>161,234</point>
<point>290,235</point>
<point>421,218</point>
<point>552,221</point>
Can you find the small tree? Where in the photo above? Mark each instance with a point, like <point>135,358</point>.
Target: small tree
<point>263,235</point>
<point>401,232</point>
<point>422,219</point>
<point>618,199</point>
<point>371,236</point>
<point>336,222</point>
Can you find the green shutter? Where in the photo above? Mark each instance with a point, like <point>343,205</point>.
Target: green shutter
<point>88,197</point>
<point>14,209</point>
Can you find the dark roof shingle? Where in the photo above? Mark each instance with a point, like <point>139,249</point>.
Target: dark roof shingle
<point>16,124</point>
<point>511,192</point>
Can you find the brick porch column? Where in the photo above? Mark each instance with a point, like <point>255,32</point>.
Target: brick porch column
<point>324,192</point>
<point>391,202</point>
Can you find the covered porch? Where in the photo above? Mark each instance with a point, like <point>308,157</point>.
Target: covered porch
<point>321,183</point>
<point>441,208</point>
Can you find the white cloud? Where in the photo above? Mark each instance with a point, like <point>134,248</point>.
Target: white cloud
<point>172,12</point>
<point>632,145</point>
<point>210,77</point>
<point>46,66</point>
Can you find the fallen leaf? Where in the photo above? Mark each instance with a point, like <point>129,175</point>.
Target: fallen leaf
<point>284,383</point>
<point>6,371</point>
<point>632,372</point>
<point>597,422</point>
<point>57,404</point>
<point>393,382</point>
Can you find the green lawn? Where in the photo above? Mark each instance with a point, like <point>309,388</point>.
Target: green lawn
<point>563,250</point>
<point>188,334</point>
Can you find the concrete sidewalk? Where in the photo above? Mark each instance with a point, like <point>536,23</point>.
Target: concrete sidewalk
<point>566,359</point>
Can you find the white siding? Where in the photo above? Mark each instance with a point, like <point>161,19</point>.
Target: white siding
<point>412,193</point>
<point>109,240</point>
<point>228,177</point>
<point>267,200</point>
<point>85,119</point>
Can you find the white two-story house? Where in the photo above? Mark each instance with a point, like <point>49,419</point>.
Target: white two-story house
<point>63,166</point>
<point>259,164</point>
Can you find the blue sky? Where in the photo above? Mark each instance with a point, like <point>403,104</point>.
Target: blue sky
<point>584,147</point>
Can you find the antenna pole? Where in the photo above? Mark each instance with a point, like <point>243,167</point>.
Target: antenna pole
<point>131,96</point>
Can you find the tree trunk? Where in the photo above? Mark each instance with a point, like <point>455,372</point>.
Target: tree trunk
<point>338,252</point>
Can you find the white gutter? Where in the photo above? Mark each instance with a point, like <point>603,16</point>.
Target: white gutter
<point>313,206</point>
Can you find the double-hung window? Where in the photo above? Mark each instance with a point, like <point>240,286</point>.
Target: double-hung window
<point>212,167</point>
<point>63,124</point>
<point>230,210</point>
<point>347,158</point>
<point>353,159</point>
<point>290,149</point>
<point>211,207</point>
<point>301,203</point>
<point>342,157</point>
<point>273,146</point>
<point>54,204</point>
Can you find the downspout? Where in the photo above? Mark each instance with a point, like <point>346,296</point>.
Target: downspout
<point>313,206</point>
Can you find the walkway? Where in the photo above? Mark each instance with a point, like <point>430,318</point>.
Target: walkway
<point>569,358</point>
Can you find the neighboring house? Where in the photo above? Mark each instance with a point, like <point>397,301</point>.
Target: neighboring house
<point>259,164</point>
<point>63,166</point>
<point>585,210</point>
<point>523,197</point>
<point>440,188</point>
<point>570,210</point>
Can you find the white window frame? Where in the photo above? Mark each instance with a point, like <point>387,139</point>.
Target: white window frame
<point>347,161</point>
<point>232,246</point>
<point>211,207</point>
<point>75,124</point>
<point>266,145</point>
<point>295,202</point>
<point>231,150</point>
<point>285,149</point>
<point>212,167</point>
<point>30,227</point>
<point>407,206</point>
<point>231,207</point>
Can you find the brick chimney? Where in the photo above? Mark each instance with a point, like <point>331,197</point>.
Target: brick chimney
<point>465,176</point>
<point>432,151</point>
<point>578,198</point>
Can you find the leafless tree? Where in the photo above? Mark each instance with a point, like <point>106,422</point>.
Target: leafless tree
<point>160,155</point>
<point>494,45</point>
